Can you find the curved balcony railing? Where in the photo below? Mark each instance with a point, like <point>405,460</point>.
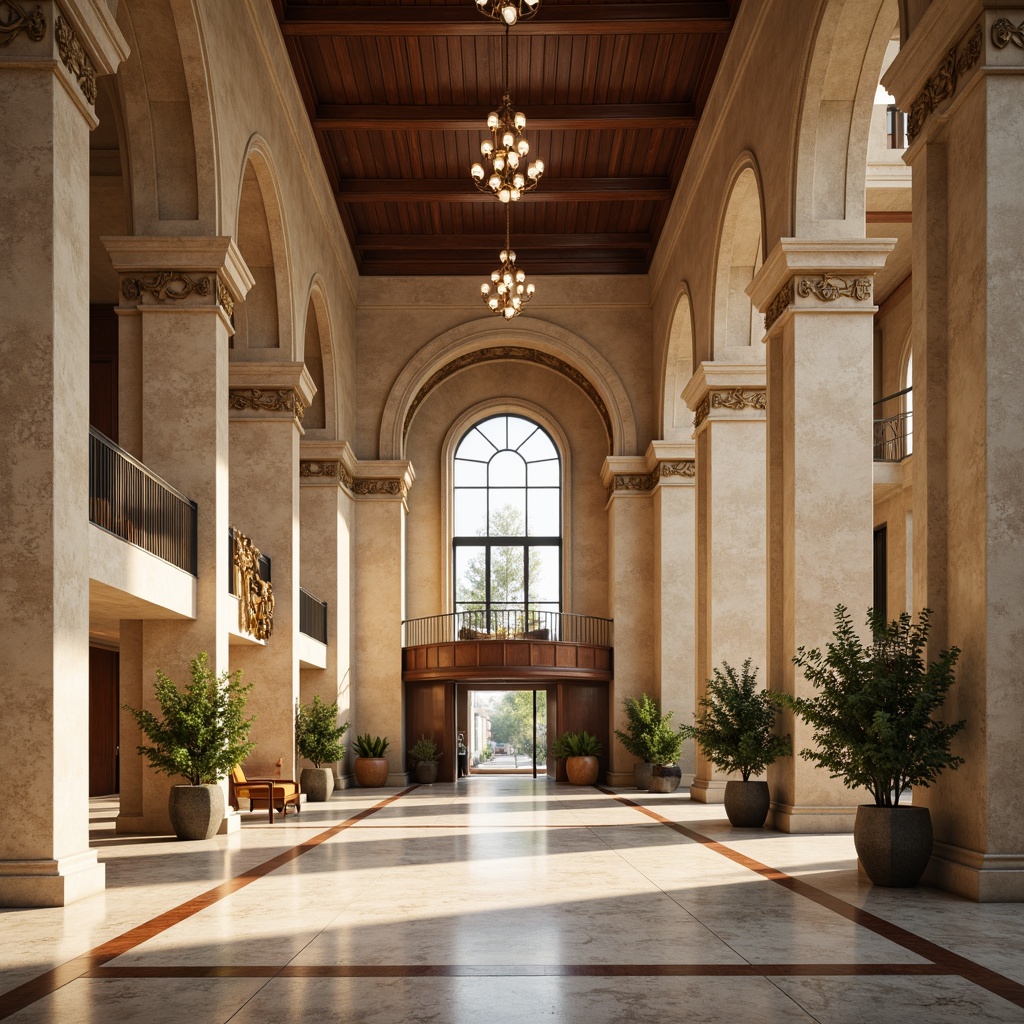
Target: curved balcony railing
<point>893,433</point>
<point>507,624</point>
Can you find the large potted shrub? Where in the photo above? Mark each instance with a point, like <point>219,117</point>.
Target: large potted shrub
<point>735,728</point>
<point>201,735</point>
<point>874,728</point>
<point>642,720</point>
<point>665,746</point>
<point>424,755</point>
<point>579,750</point>
<point>371,765</point>
<point>318,739</point>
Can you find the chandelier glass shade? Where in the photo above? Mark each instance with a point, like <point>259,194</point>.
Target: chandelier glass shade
<point>508,12</point>
<point>507,291</point>
<point>510,174</point>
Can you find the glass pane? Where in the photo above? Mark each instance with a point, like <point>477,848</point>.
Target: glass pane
<point>507,575</point>
<point>495,431</point>
<point>508,512</point>
<point>475,446</point>
<point>538,447</point>
<point>518,431</point>
<point>470,474</point>
<point>470,512</point>
<point>545,617</point>
<point>544,519</point>
<point>507,470</point>
<point>470,575</point>
<point>544,577</point>
<point>544,474</point>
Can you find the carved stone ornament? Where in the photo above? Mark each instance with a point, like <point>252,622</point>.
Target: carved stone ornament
<point>76,60</point>
<point>779,305</point>
<point>731,398</point>
<point>631,482</point>
<point>645,482</point>
<point>267,400</point>
<point>14,20</point>
<point>828,288</point>
<point>681,467</point>
<point>310,470</point>
<point>224,297</point>
<point>1005,32</point>
<point>164,285</point>
<point>387,488</point>
<point>255,594</point>
<point>942,85</point>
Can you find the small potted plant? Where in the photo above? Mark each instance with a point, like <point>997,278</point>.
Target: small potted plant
<point>666,744</point>
<point>371,766</point>
<point>642,720</point>
<point>201,735</point>
<point>874,728</point>
<point>424,756</point>
<point>580,751</point>
<point>318,739</point>
<point>735,730</point>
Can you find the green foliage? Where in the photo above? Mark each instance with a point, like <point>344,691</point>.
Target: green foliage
<point>665,744</point>
<point>487,754</point>
<point>424,749</point>
<point>202,733</point>
<point>317,733</point>
<point>736,723</point>
<point>872,714</point>
<point>506,565</point>
<point>643,721</point>
<point>512,723</point>
<point>367,746</point>
<point>576,744</point>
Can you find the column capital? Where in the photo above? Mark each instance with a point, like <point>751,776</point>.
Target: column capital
<point>269,390</point>
<point>727,391</point>
<point>637,476</point>
<point>386,478</point>
<point>327,464</point>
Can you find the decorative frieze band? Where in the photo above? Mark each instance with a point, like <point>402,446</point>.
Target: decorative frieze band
<point>267,400</point>
<point>225,299</point>
<point>384,488</point>
<point>334,470</point>
<point>165,285</point>
<point>644,482</point>
<point>736,399</point>
<point>76,60</point>
<point>943,84</point>
<point>779,305</point>
<point>1005,32</point>
<point>14,20</point>
<point>830,287</point>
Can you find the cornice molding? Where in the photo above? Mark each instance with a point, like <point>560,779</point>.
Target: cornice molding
<point>943,83</point>
<point>75,59</point>
<point>262,401</point>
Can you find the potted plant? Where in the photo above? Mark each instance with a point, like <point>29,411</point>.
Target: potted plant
<point>318,739</point>
<point>873,726</point>
<point>580,750</point>
<point>735,730</point>
<point>371,765</point>
<point>642,719</point>
<point>666,744</point>
<point>425,755</point>
<point>201,735</point>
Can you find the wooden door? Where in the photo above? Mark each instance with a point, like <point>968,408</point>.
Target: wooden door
<point>584,706</point>
<point>104,688</point>
<point>430,712</point>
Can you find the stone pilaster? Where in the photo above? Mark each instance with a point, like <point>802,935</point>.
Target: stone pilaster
<point>817,297</point>
<point>729,425</point>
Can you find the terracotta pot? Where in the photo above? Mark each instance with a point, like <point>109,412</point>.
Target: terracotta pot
<point>642,775</point>
<point>371,771</point>
<point>747,803</point>
<point>665,778</point>
<point>582,771</point>
<point>196,811</point>
<point>893,843</point>
<point>317,784</point>
<point>426,772</point>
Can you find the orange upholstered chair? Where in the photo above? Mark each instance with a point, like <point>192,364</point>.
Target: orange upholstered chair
<point>269,793</point>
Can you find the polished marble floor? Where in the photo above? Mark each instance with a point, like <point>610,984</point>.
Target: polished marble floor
<point>507,900</point>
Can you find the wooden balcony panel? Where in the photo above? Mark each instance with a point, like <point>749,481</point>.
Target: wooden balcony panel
<point>507,659</point>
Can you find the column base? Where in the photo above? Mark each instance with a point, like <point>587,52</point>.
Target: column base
<point>982,877</point>
<point>620,780</point>
<point>708,791</point>
<point>811,820</point>
<point>399,779</point>
<point>51,883</point>
<point>232,822</point>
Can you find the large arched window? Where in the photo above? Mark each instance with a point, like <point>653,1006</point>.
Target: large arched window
<point>507,537</point>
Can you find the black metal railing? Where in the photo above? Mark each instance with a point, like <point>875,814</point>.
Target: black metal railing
<point>507,624</point>
<point>893,429</point>
<point>312,616</point>
<point>265,564</point>
<point>133,503</point>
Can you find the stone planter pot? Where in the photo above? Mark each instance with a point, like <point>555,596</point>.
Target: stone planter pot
<point>665,778</point>
<point>893,843</point>
<point>747,803</point>
<point>317,784</point>
<point>196,811</point>
<point>426,772</point>
<point>582,771</point>
<point>371,771</point>
<point>642,775</point>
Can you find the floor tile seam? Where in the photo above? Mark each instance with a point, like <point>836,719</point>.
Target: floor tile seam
<point>48,982</point>
<point>791,998</point>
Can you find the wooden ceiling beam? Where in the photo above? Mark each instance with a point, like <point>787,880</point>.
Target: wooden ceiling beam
<point>608,264</point>
<point>333,117</point>
<point>681,17</point>
<point>550,190</point>
<point>491,243</point>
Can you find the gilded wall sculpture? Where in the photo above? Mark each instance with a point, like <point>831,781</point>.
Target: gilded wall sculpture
<point>255,594</point>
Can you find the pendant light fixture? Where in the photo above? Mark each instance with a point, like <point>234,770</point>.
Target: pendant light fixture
<point>508,12</point>
<point>507,291</point>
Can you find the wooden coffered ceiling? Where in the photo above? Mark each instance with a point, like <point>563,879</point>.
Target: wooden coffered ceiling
<point>398,93</point>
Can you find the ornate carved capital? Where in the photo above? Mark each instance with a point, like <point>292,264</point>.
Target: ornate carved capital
<point>830,287</point>
<point>1005,32</point>
<point>681,467</point>
<point>14,20</point>
<point>730,398</point>
<point>943,84</point>
<point>267,400</point>
<point>779,305</point>
<point>376,487</point>
<point>643,483</point>
<point>310,470</point>
<point>224,297</point>
<point>255,594</point>
<point>76,60</point>
<point>164,285</point>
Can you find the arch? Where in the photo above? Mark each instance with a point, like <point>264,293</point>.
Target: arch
<point>835,117</point>
<point>317,352</point>
<point>484,340</point>
<point>264,319</point>
<point>675,416</point>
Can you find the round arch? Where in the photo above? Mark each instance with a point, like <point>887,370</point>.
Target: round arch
<point>674,415</point>
<point>316,351</point>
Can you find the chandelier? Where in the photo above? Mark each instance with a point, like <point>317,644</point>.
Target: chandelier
<point>506,151</point>
<point>508,11</point>
<point>507,291</point>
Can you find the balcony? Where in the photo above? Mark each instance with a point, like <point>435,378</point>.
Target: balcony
<point>893,429</point>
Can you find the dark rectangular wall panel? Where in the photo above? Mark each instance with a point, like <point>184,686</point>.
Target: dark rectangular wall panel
<point>103,721</point>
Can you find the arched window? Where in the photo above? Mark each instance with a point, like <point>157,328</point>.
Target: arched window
<point>507,537</point>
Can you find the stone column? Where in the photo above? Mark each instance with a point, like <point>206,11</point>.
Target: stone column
<point>630,597</point>
<point>961,77</point>
<point>326,511</point>
<point>378,598</point>
<point>266,402</point>
<point>729,399</point>
<point>817,297</point>
<point>177,295</point>
<point>49,60</point>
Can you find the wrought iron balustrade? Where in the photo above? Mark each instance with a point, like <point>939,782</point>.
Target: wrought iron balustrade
<point>130,501</point>
<point>507,624</point>
<point>893,433</point>
<point>312,616</point>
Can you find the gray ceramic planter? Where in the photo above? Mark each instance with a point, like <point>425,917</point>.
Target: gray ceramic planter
<point>196,811</point>
<point>893,843</point>
<point>426,772</point>
<point>665,778</point>
<point>747,803</point>
<point>642,775</point>
<point>317,784</point>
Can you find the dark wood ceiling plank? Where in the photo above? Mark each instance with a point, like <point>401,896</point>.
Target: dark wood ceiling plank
<point>485,243</point>
<point>551,190</point>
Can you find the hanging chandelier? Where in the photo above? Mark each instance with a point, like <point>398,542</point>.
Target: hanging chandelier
<point>506,151</point>
<point>507,291</point>
<point>508,11</point>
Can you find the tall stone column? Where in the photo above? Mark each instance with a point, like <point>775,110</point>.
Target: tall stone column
<point>817,297</point>
<point>266,402</point>
<point>378,596</point>
<point>631,595</point>
<point>177,295</point>
<point>729,399</point>
<point>961,77</point>
<point>49,60</point>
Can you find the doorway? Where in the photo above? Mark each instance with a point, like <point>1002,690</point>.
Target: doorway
<point>507,732</point>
